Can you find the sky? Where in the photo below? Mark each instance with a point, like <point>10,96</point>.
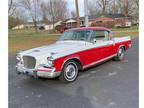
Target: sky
<point>71,6</point>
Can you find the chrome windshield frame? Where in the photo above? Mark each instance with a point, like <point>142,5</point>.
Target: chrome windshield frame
<point>88,39</point>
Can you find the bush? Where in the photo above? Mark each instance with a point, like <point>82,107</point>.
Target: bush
<point>12,22</point>
<point>108,24</point>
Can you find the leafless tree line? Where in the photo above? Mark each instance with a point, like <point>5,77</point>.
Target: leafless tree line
<point>50,11</point>
<point>126,7</point>
<point>53,10</point>
<point>11,7</point>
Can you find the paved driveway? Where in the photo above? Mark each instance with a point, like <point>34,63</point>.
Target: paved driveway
<point>109,85</point>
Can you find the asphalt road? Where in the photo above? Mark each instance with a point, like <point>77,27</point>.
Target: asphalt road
<point>109,85</point>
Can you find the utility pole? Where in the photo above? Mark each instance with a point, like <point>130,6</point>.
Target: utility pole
<point>51,7</point>
<point>35,15</point>
<point>77,13</point>
<point>86,13</point>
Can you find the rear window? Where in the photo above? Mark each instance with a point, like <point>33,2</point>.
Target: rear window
<point>100,35</point>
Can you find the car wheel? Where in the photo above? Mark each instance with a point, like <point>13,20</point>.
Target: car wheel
<point>69,71</point>
<point>120,54</point>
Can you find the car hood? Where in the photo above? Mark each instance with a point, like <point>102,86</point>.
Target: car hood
<point>59,47</point>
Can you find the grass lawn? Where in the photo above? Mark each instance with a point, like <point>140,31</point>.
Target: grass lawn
<point>26,39</point>
<point>133,32</point>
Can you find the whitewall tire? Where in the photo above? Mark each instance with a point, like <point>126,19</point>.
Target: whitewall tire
<point>69,71</point>
<point>120,54</point>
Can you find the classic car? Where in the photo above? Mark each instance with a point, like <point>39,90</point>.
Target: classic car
<point>76,50</point>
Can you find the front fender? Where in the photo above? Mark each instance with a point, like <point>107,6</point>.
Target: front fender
<point>59,63</point>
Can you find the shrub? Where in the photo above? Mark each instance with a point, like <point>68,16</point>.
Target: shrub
<point>108,24</point>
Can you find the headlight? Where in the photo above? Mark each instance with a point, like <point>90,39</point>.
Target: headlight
<point>50,61</point>
<point>18,57</point>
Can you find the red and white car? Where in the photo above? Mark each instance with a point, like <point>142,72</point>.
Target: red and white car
<point>77,49</point>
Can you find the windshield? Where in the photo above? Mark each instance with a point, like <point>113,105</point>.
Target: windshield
<point>75,35</point>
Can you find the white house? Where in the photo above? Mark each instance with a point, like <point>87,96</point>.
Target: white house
<point>48,27</point>
<point>51,26</point>
<point>22,26</point>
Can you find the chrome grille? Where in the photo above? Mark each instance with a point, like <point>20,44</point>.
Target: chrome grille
<point>29,62</point>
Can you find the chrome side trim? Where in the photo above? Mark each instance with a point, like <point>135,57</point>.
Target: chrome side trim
<point>96,62</point>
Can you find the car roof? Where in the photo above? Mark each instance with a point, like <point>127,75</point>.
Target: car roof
<point>88,28</point>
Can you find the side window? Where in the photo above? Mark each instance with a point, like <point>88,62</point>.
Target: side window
<point>106,35</point>
<point>100,35</point>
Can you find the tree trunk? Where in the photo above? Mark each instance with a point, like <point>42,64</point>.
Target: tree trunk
<point>51,5</point>
<point>35,26</point>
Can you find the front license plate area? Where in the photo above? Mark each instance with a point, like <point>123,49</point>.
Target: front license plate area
<point>30,72</point>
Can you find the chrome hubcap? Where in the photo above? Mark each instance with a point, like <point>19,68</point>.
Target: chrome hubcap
<point>70,71</point>
<point>120,53</point>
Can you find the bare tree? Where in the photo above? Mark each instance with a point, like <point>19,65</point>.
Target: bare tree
<point>11,7</point>
<point>52,11</point>
<point>136,4</point>
<point>114,7</point>
<point>93,8</point>
<point>10,4</point>
<point>103,5</point>
<point>32,7</point>
<point>44,13</point>
<point>55,10</point>
<point>73,14</point>
<point>126,7</point>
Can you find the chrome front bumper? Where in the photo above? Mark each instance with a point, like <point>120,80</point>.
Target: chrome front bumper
<point>39,72</point>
